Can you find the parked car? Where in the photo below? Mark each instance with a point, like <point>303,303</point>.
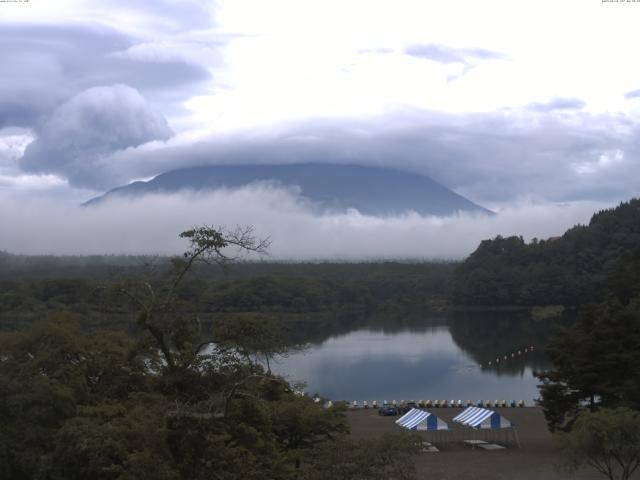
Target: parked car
<point>388,411</point>
<point>405,407</point>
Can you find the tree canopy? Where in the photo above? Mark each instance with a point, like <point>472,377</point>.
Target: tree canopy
<point>572,269</point>
<point>78,404</point>
<point>607,440</point>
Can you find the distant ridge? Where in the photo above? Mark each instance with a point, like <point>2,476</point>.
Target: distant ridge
<point>371,190</point>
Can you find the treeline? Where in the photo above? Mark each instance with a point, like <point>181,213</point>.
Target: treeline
<point>570,270</point>
<point>305,296</point>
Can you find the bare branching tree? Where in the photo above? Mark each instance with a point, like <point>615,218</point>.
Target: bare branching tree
<point>156,300</point>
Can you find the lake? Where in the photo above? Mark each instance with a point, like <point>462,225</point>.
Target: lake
<point>441,358</point>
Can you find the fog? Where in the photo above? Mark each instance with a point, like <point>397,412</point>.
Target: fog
<point>151,225</point>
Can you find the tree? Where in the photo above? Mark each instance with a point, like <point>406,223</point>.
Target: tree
<point>50,372</point>
<point>108,406</point>
<point>596,363</point>
<point>607,440</point>
<point>372,459</point>
<point>257,338</point>
<point>156,298</point>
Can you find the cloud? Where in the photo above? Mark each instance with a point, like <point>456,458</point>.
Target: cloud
<point>44,65</point>
<point>76,137</point>
<point>632,94</point>
<point>167,15</point>
<point>444,54</point>
<point>558,104</point>
<point>151,225</point>
<point>491,158</point>
<point>604,161</point>
<point>13,142</point>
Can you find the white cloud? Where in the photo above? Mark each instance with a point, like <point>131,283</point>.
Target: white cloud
<point>605,160</point>
<point>151,225</point>
<point>13,143</point>
<point>75,138</point>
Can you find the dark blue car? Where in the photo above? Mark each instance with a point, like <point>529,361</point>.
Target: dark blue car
<point>388,411</point>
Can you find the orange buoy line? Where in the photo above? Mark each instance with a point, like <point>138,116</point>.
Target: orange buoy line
<point>509,356</point>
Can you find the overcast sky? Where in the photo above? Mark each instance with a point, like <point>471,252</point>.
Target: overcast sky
<point>530,105</point>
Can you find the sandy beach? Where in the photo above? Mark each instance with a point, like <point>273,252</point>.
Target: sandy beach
<point>535,459</point>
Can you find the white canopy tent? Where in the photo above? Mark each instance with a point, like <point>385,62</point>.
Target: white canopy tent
<point>477,417</point>
<point>421,420</point>
<point>484,419</point>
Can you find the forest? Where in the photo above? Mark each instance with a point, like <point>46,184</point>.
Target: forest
<point>174,400</point>
<point>570,270</point>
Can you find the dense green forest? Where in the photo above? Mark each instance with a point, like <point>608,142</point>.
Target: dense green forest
<point>172,401</point>
<point>570,270</point>
<point>306,298</point>
<point>596,360</point>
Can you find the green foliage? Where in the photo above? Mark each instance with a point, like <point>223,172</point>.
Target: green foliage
<point>374,459</point>
<point>607,440</point>
<point>568,270</point>
<point>596,361</point>
<point>107,406</point>
<point>257,338</point>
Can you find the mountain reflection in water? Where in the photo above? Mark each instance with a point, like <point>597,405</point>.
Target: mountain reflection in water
<point>441,358</point>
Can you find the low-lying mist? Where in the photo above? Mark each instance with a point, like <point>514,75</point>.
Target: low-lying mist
<point>151,225</point>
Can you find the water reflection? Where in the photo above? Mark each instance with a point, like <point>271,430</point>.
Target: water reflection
<point>444,358</point>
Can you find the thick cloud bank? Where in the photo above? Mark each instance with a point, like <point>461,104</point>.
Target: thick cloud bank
<point>75,138</point>
<point>151,225</point>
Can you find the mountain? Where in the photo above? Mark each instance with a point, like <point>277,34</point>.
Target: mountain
<point>370,190</point>
<point>581,266</point>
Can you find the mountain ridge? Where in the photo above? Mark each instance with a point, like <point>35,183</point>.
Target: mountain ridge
<point>379,191</point>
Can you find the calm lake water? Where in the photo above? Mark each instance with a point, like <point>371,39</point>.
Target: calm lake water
<point>448,360</point>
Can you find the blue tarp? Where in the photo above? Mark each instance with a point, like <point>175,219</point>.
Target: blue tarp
<point>416,419</point>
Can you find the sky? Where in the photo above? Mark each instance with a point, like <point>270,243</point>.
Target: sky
<point>529,108</point>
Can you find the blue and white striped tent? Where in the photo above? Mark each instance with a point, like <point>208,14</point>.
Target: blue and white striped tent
<point>416,419</point>
<point>477,417</point>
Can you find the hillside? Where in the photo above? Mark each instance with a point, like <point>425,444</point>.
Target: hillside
<point>370,190</point>
<point>570,270</point>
